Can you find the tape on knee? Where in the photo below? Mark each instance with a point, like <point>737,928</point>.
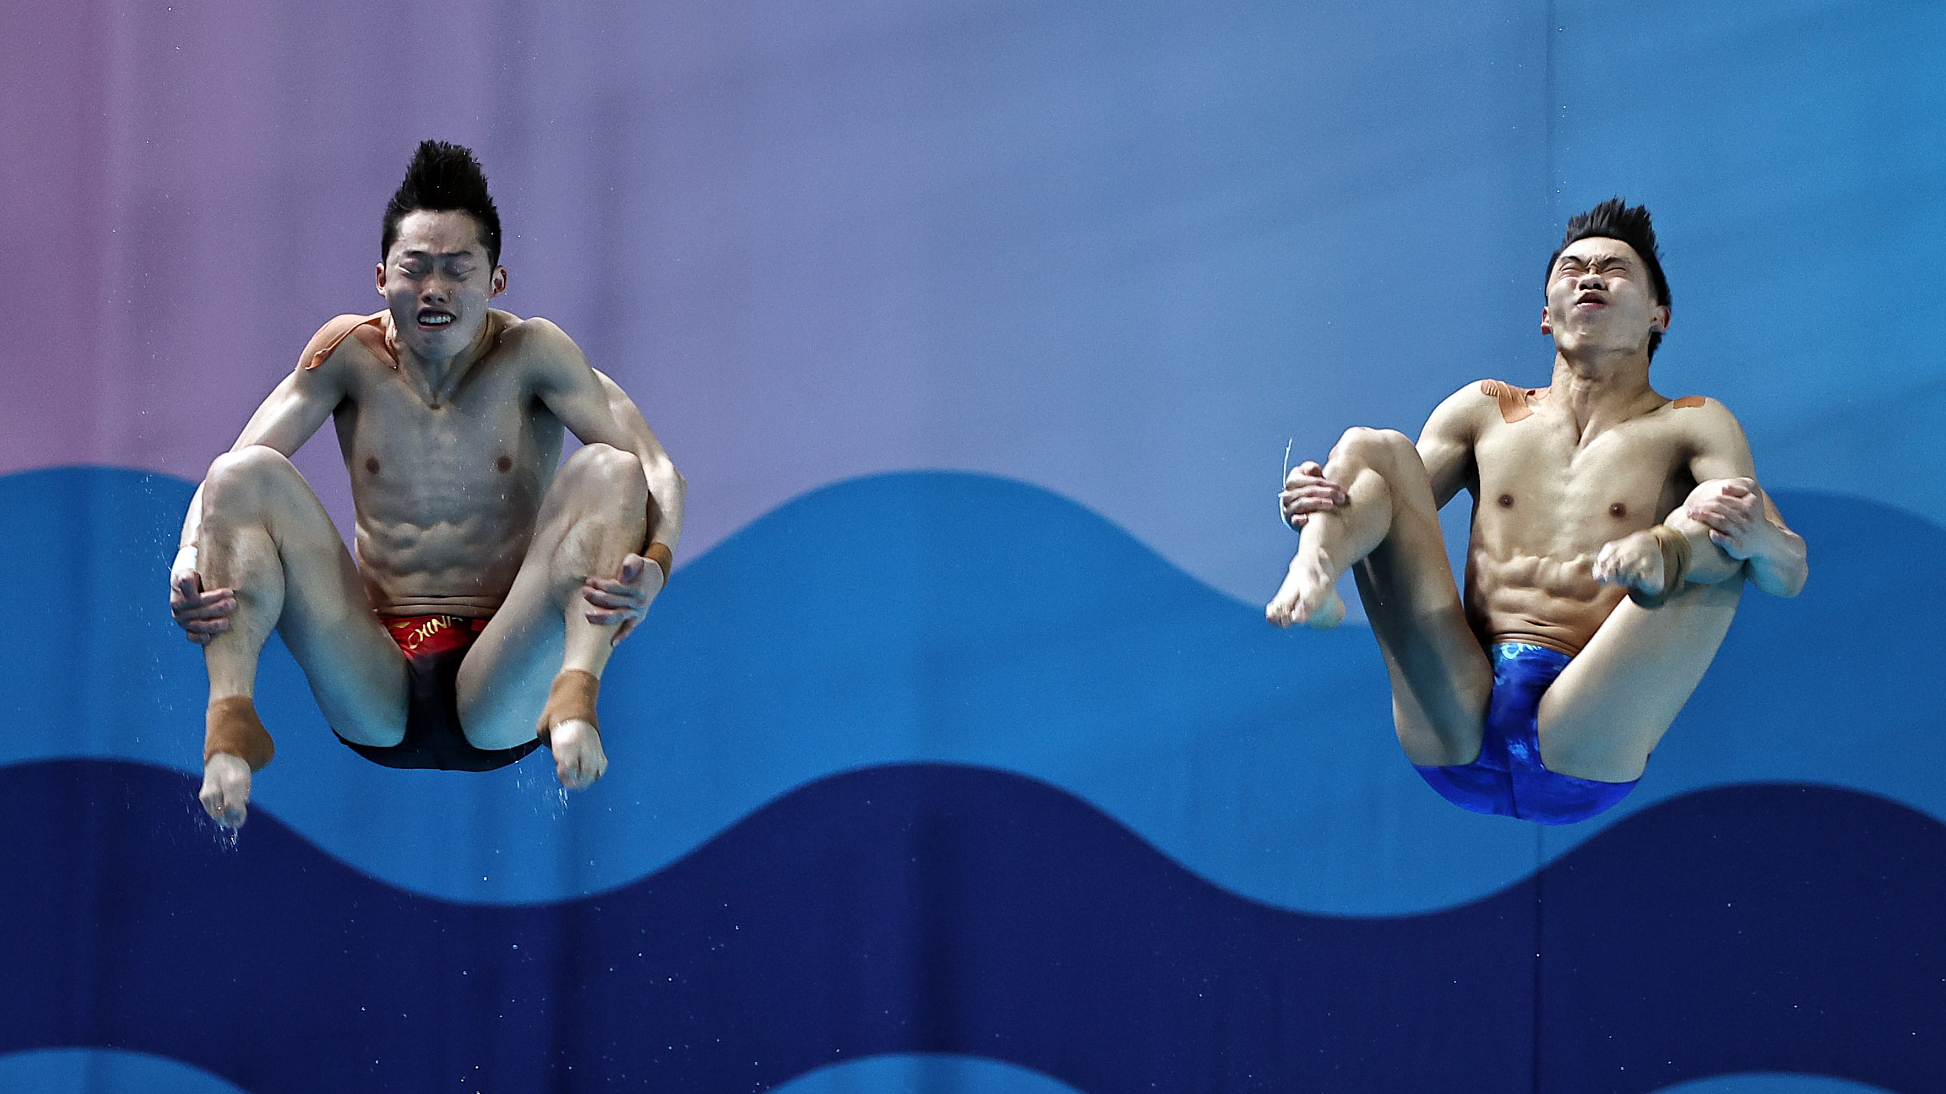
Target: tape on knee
<point>232,726</point>
<point>1675,566</point>
<point>572,698</point>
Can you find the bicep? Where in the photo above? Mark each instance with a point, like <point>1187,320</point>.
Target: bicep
<point>1718,448</point>
<point>292,413</point>
<point>1446,447</point>
<point>628,418</point>
<point>573,392</point>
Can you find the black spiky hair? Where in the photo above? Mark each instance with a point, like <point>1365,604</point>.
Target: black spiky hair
<point>1616,219</point>
<point>443,177</point>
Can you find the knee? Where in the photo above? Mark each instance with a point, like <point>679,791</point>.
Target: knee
<point>240,481</point>
<point>1374,448</point>
<point>610,473</point>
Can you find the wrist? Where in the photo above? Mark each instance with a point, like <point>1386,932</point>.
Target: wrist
<point>663,558</point>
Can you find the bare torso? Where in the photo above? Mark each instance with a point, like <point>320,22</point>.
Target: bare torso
<point>1548,495</point>
<point>446,485</point>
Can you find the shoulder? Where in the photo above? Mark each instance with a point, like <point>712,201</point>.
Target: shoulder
<point>531,335</point>
<point>1704,420</point>
<point>543,352</point>
<point>1472,408</point>
<point>327,344</point>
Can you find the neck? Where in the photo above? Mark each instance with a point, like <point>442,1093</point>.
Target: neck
<point>1611,385</point>
<point>441,375</point>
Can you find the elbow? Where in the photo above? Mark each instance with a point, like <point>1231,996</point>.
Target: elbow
<point>1785,577</point>
<point>673,484</point>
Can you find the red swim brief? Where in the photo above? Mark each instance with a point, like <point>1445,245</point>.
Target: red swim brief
<point>434,646</point>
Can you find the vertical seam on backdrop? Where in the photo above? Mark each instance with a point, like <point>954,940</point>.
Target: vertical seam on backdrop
<point>1552,107</point>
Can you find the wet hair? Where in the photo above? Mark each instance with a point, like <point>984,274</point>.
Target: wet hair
<point>1616,219</point>
<point>443,177</point>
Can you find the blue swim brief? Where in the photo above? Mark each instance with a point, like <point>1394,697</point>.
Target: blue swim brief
<point>1509,779</point>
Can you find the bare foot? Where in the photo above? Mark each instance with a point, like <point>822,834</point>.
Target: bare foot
<point>1633,562</point>
<point>226,789</point>
<point>578,758</point>
<point>1308,596</point>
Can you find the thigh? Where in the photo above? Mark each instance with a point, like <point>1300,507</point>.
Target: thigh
<point>1606,711</point>
<point>355,670</point>
<point>1441,678</point>
<point>504,680</point>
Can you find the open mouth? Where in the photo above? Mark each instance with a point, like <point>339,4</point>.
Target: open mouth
<point>433,318</point>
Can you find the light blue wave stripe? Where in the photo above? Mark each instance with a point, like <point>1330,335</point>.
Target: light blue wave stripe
<point>1772,1082</point>
<point>118,1071</point>
<point>923,1074</point>
<point>1261,760</point>
<point>105,1071</point>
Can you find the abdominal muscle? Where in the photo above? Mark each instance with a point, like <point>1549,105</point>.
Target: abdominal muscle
<point>1544,601</point>
<point>451,568</point>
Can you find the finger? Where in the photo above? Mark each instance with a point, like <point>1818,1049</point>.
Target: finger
<point>202,609</point>
<point>622,632</point>
<point>632,568</point>
<point>1311,468</point>
<point>1707,519</point>
<point>209,627</point>
<point>219,610</point>
<point>614,600</point>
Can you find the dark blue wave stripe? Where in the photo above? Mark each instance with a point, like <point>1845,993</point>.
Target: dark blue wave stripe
<point>934,908</point>
<point>876,622</point>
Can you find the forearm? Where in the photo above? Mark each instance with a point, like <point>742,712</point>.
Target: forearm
<point>1708,563</point>
<point>1777,567</point>
<point>192,522</point>
<point>667,488</point>
<point>666,485</point>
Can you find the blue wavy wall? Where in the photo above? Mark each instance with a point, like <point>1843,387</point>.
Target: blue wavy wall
<point>988,780</point>
<point>889,798</point>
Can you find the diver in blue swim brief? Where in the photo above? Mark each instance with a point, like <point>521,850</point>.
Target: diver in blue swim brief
<point>1509,779</point>
<point>1613,530</point>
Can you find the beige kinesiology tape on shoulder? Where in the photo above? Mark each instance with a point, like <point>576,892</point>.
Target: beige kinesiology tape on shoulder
<point>1675,566</point>
<point>232,726</point>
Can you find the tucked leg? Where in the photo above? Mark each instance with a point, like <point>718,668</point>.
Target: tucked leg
<point>594,516</point>
<point>264,534</point>
<point>1388,535</point>
<point>1607,710</point>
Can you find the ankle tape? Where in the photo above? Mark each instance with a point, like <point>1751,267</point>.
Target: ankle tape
<point>571,698</point>
<point>232,726</point>
<point>1675,566</point>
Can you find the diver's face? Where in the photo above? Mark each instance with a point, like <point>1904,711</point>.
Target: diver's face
<point>436,282</point>
<point>1600,297</point>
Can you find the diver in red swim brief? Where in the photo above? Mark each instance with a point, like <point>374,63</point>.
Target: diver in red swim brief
<point>451,415</point>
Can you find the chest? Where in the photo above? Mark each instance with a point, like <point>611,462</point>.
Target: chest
<point>490,428</point>
<point>1541,469</point>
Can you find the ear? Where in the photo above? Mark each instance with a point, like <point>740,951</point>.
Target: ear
<point>1660,325</point>
<point>381,279</point>
<point>1546,327</point>
<point>499,281</point>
